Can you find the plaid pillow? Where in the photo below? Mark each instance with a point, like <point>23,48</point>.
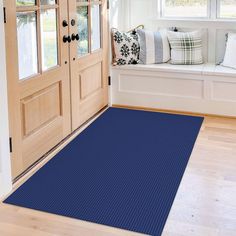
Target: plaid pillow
<point>186,48</point>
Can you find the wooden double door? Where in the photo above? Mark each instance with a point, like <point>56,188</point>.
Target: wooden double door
<point>57,59</point>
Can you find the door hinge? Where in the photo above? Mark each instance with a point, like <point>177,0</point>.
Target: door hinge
<point>109,80</point>
<point>108,4</point>
<point>4,15</point>
<point>10,144</point>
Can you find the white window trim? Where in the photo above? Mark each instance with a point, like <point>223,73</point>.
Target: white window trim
<point>213,13</point>
<point>213,4</point>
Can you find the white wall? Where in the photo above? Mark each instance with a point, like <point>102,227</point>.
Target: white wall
<point>118,14</point>
<point>5,167</point>
<point>141,12</point>
<point>127,14</point>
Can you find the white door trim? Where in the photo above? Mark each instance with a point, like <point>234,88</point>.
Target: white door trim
<point>5,164</point>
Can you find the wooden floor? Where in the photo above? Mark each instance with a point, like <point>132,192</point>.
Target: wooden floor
<point>204,206</point>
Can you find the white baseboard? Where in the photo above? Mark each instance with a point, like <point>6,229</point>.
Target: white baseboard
<point>6,188</point>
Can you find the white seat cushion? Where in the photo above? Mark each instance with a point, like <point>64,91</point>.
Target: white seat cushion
<point>204,69</point>
<point>217,70</point>
<point>165,67</point>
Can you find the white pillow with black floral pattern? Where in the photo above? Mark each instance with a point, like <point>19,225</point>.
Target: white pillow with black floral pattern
<point>125,47</point>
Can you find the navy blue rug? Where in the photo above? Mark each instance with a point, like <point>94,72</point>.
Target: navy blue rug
<point>123,171</point>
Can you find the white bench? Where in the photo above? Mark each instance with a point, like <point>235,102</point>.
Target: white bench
<point>205,88</point>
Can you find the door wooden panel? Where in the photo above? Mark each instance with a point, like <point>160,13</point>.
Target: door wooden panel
<point>32,146</point>
<point>40,109</point>
<point>38,79</point>
<point>90,80</point>
<point>89,59</point>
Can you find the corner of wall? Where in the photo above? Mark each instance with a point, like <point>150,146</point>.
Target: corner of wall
<point>5,162</point>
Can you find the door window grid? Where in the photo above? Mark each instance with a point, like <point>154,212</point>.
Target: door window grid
<point>88,27</point>
<point>45,54</point>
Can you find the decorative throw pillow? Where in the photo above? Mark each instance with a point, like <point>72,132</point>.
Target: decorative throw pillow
<point>186,47</point>
<point>125,47</point>
<point>154,47</point>
<point>230,55</point>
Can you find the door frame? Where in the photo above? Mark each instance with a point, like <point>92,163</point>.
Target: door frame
<point>5,161</point>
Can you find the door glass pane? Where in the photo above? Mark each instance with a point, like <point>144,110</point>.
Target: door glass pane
<point>82,16</point>
<point>27,44</point>
<point>49,39</point>
<point>25,2</point>
<point>96,27</point>
<point>47,2</point>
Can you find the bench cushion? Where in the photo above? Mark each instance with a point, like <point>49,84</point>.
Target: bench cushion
<point>217,70</point>
<point>204,69</point>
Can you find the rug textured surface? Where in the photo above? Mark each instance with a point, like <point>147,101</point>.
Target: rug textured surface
<point>123,171</point>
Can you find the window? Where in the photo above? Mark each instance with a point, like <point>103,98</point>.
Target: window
<point>212,9</point>
<point>185,8</point>
<point>227,9</point>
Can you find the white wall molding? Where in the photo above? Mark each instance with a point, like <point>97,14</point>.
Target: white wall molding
<point>207,89</point>
<point>5,165</point>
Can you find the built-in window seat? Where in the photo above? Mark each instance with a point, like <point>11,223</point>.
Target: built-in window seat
<point>206,88</point>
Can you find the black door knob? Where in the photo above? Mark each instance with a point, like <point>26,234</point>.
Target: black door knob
<point>75,37</point>
<point>73,22</point>
<point>66,39</point>
<point>64,23</point>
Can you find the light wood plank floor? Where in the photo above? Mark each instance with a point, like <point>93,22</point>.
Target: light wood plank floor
<point>204,206</point>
